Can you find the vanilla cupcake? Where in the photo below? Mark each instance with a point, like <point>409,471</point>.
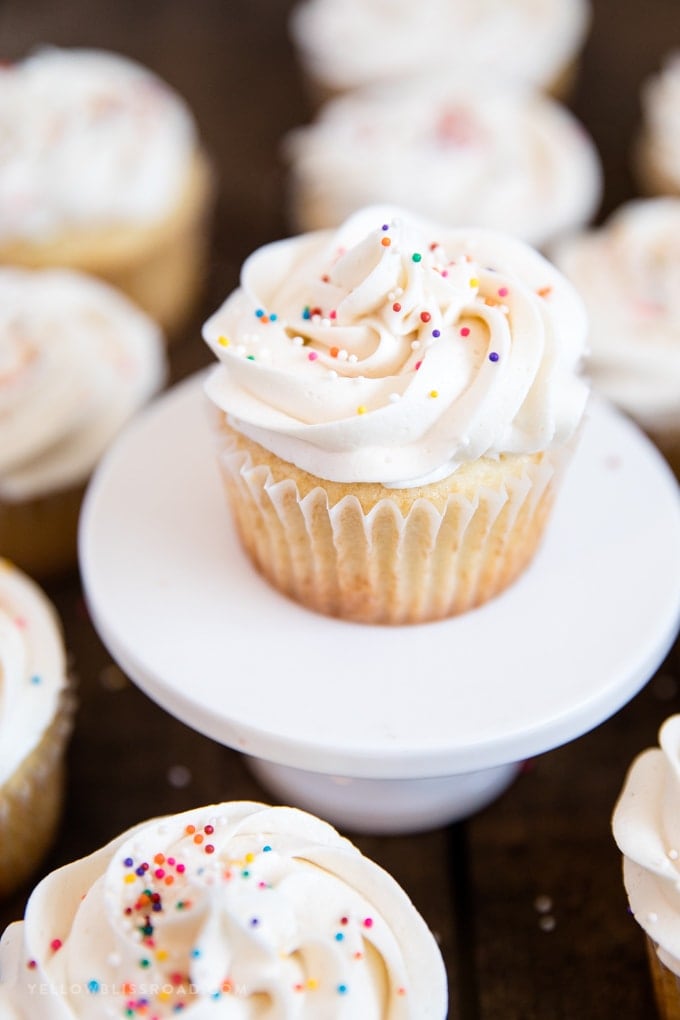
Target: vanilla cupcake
<point>657,154</point>
<point>101,170</point>
<point>77,359</point>
<point>646,826</point>
<point>345,44</point>
<point>234,910</point>
<point>393,406</point>
<point>458,148</point>
<point>628,273</point>
<point>35,717</point>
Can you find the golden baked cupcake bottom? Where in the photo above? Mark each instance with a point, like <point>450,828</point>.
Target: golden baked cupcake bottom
<point>372,554</point>
<point>40,535</point>
<point>666,985</point>
<point>160,266</point>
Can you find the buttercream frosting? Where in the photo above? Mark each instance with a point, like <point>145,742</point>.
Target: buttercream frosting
<point>628,273</point>
<point>391,351</point>
<point>32,667</point>
<point>88,139</point>
<point>347,43</point>
<point>646,825</point>
<point>660,100</point>
<point>76,360</point>
<point>235,910</point>
<point>460,150</point>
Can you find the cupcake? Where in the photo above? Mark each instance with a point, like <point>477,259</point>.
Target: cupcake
<point>647,832</point>
<point>657,154</point>
<point>234,910</point>
<point>393,405</point>
<point>459,149</point>
<point>76,360</point>
<point>628,273</point>
<point>35,716</point>
<point>102,171</point>
<point>345,44</point>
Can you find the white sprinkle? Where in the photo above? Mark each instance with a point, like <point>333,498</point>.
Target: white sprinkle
<point>342,354</point>
<point>673,854</point>
<point>394,397</point>
<point>652,917</point>
<point>547,923</point>
<point>399,291</point>
<point>543,904</point>
<point>254,338</point>
<point>391,296</point>
<point>332,374</point>
<point>325,322</point>
<point>352,359</point>
<point>504,309</point>
<point>316,317</point>
<point>241,349</point>
<point>179,776</point>
<point>298,341</point>
<point>415,345</point>
<point>114,960</point>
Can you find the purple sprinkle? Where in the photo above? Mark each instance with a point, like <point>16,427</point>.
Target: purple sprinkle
<point>385,226</point>
<point>435,332</point>
<point>493,356</point>
<point>128,862</point>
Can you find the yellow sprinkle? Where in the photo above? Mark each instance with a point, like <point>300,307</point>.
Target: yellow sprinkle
<point>361,409</point>
<point>162,954</point>
<point>163,996</point>
<point>250,858</point>
<point>129,878</point>
<point>434,393</point>
<point>474,282</point>
<point>223,342</point>
<point>312,983</point>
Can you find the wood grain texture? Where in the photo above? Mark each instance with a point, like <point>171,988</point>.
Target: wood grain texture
<point>525,898</point>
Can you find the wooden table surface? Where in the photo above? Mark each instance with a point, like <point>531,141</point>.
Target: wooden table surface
<point>526,897</point>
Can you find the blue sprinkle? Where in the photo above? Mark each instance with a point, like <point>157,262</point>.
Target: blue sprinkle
<point>342,989</point>
<point>259,313</point>
<point>35,679</point>
<point>273,317</point>
<point>266,849</point>
<point>195,953</point>
<point>93,986</point>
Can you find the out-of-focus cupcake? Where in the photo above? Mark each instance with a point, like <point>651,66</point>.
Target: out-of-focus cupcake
<point>234,910</point>
<point>657,153</point>
<point>394,404</point>
<point>77,359</point>
<point>101,170</point>
<point>35,720</point>
<point>646,826</point>
<point>628,273</point>
<point>459,149</point>
<point>345,44</point>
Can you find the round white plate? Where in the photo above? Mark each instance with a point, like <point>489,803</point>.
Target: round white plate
<point>186,615</point>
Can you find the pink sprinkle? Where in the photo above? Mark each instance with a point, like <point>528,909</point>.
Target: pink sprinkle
<point>56,944</point>
<point>503,292</point>
<point>312,355</point>
<point>368,922</point>
<point>159,873</point>
<point>465,331</point>
<point>417,365</point>
<point>181,869</point>
<point>333,314</point>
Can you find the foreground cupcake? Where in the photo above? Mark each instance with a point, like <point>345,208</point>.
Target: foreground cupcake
<point>234,910</point>
<point>76,361</point>
<point>35,710</point>
<point>102,171</point>
<point>394,403</point>
<point>628,273</point>
<point>647,832</point>
<point>459,148</point>
<point>345,44</point>
<point>658,146</point>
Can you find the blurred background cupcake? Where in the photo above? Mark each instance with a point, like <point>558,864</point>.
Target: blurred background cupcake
<point>628,273</point>
<point>35,721</point>
<point>345,44</point>
<point>462,149</point>
<point>77,359</point>
<point>236,909</point>
<point>646,825</point>
<point>657,152</point>
<point>101,170</point>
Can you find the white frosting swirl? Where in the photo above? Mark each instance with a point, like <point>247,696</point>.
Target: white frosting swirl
<point>347,43</point>
<point>236,910</point>
<point>87,139</point>
<point>456,148</point>
<point>628,273</point>
<point>76,360</point>
<point>646,825</point>
<point>661,120</point>
<point>32,667</point>
<point>391,351</point>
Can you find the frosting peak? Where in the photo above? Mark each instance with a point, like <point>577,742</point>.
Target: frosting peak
<point>235,910</point>
<point>391,351</point>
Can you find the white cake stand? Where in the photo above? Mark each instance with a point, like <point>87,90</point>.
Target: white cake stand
<point>380,728</point>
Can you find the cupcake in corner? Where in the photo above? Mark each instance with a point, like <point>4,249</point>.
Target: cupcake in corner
<point>393,407</point>
<point>459,148</point>
<point>77,359</point>
<point>646,825</point>
<point>628,273</point>
<point>102,171</point>
<point>35,721</point>
<point>233,910</point>
<point>657,152</point>
<point>346,44</point>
